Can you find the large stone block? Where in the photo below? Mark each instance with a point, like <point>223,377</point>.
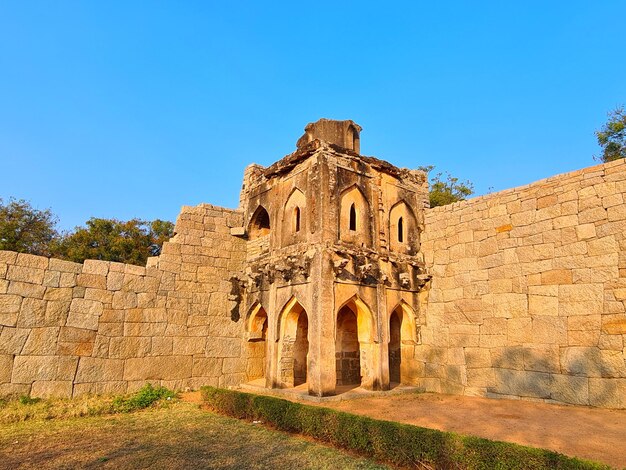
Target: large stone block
<point>568,389</point>
<point>100,388</point>
<point>223,347</point>
<point>32,313</point>
<point>6,367</point>
<point>607,393</point>
<point>95,369</point>
<point>42,342</point>
<point>31,261</point>
<point>84,314</point>
<point>207,367</point>
<point>9,308</point>
<point>158,368</point>
<point>522,383</point>
<point>593,362</point>
<point>12,340</point>
<point>25,274</point>
<point>27,369</point>
<point>52,389</point>
<point>126,347</point>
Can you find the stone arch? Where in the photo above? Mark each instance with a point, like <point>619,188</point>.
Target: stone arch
<point>354,217</point>
<point>256,345</point>
<point>259,225</point>
<point>403,234</point>
<point>294,217</point>
<point>401,341</point>
<point>354,344</point>
<point>293,347</point>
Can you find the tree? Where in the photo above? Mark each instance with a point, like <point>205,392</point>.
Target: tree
<point>448,190</point>
<point>612,136</point>
<point>114,240</point>
<point>25,229</point>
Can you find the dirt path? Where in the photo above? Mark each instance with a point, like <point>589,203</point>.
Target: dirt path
<point>589,433</point>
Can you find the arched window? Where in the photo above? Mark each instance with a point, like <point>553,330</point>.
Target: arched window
<point>260,223</point>
<point>352,218</point>
<point>400,231</point>
<point>296,215</point>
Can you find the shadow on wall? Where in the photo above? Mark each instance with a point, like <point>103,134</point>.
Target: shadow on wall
<point>575,375</point>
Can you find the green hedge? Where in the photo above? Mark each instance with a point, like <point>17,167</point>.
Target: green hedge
<point>396,443</point>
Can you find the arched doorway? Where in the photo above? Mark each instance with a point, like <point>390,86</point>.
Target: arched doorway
<point>395,354</point>
<point>347,350</point>
<point>256,331</point>
<point>402,341</point>
<point>293,347</point>
<point>354,346</point>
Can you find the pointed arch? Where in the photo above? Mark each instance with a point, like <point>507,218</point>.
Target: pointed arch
<point>293,345</point>
<point>403,234</point>
<point>259,225</point>
<point>354,216</point>
<point>406,314</point>
<point>256,323</point>
<point>365,318</point>
<point>294,218</point>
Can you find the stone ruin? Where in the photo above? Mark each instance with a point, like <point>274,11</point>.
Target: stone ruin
<point>335,273</point>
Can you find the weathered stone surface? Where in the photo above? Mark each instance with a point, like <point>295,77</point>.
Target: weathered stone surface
<point>158,367</point>
<point>94,369</point>
<point>52,389</point>
<point>223,347</point>
<point>27,369</point>
<point>593,362</point>
<point>207,367</point>
<point>568,389</point>
<point>12,340</point>
<point>9,308</point>
<point>6,367</point>
<point>42,342</point>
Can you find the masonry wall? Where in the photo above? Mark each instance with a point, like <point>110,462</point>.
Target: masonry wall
<point>528,292</point>
<point>103,327</point>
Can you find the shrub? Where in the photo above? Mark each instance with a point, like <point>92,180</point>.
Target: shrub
<point>143,398</point>
<point>400,444</point>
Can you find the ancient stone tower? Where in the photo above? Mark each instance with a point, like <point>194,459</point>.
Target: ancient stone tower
<point>331,288</point>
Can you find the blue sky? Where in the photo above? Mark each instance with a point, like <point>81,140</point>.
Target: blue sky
<point>133,109</point>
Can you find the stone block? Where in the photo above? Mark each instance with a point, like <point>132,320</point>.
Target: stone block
<point>8,257</point>
<point>64,266</point>
<point>124,300</point>
<point>94,281</point>
<point>95,369</point>
<point>84,314</point>
<point>477,358</point>
<point>100,388</point>
<point>9,309</point>
<point>223,347</point>
<point>25,274</point>
<point>542,359</point>
<point>233,365</point>
<point>67,280</point>
<point>31,261</point>
<point>92,266</point>
<point>32,313</point>
<point>158,368</point>
<point>26,289</point>
<point>42,342</point>
<point>519,330</point>
<point>607,393</point>
<point>556,276</point>
<point>189,345</point>
<point>126,347</point>
<point>522,383</point>
<point>6,367</point>
<point>27,369</point>
<point>592,362</point>
<point>568,389</point>
<point>162,346</point>
<point>56,312</point>
<point>52,278</point>
<point>483,377</point>
<point>52,389</point>
<point>144,329</point>
<point>12,340</point>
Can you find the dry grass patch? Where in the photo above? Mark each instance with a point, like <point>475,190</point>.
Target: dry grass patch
<point>178,436</point>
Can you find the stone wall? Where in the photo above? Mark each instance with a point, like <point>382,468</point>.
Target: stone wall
<point>528,291</point>
<point>103,327</point>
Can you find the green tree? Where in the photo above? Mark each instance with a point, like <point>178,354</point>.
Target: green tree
<point>25,229</point>
<point>446,190</point>
<point>612,136</point>
<point>130,242</point>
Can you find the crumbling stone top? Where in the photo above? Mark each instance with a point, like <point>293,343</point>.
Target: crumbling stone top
<point>345,134</point>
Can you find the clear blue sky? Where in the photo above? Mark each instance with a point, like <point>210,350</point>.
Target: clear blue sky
<point>134,108</point>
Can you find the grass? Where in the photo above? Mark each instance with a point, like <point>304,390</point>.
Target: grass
<point>177,436</point>
<point>25,408</point>
<point>397,443</point>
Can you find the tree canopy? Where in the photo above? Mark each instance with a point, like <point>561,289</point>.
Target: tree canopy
<point>612,136</point>
<point>130,241</point>
<point>28,230</point>
<point>25,229</point>
<point>448,189</point>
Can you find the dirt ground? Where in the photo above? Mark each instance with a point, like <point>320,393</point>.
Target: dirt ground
<point>590,433</point>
